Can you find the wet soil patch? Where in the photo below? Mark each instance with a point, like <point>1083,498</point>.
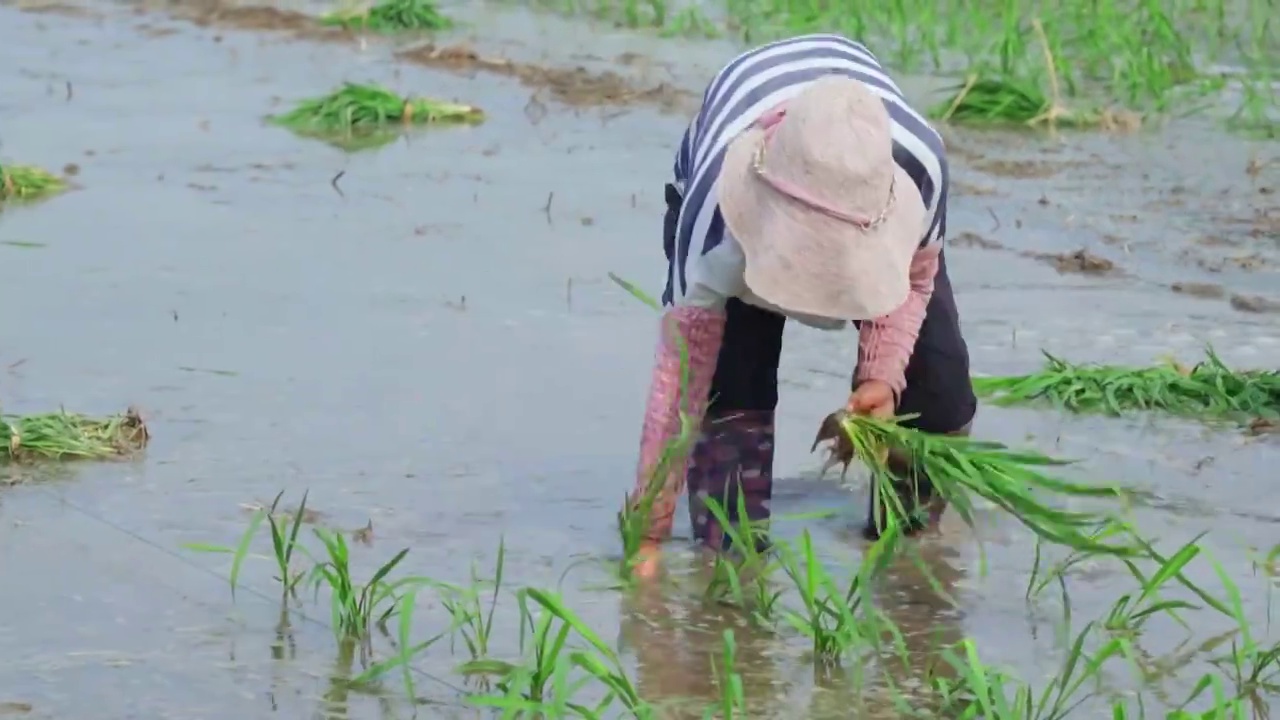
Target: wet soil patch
<point>216,13</point>
<point>1080,262</point>
<point>1209,291</point>
<point>576,87</point>
<point>1022,168</point>
<point>974,240</point>
<point>1255,304</point>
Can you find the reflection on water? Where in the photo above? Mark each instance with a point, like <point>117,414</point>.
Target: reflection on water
<point>677,638</point>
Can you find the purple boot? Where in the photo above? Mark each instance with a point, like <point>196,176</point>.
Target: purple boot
<point>733,455</point>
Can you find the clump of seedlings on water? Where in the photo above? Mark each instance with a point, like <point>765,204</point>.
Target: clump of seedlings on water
<point>391,16</point>
<point>25,182</point>
<point>358,116</point>
<point>64,435</point>
<point>1209,390</point>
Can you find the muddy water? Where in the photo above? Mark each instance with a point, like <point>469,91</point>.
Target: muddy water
<point>435,349</point>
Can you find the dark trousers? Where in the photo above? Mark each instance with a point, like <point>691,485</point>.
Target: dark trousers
<point>938,383</point>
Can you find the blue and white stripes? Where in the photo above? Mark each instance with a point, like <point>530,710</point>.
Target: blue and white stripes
<point>745,89</point>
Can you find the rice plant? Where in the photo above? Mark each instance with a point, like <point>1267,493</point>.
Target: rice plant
<point>471,619</point>
<point>1209,390</point>
<point>284,541</point>
<point>67,436</point>
<point>25,182</point>
<point>743,578</point>
<point>391,16</point>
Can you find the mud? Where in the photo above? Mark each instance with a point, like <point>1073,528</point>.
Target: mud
<point>1255,304</point>
<point>576,87</point>
<point>437,356</point>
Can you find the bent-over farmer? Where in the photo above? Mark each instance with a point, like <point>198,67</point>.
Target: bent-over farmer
<point>806,187</point>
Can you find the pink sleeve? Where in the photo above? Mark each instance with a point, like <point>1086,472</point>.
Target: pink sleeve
<point>885,344</point>
<point>700,331</point>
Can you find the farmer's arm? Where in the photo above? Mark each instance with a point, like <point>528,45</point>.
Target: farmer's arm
<point>692,327</point>
<point>886,343</point>
<point>676,404</point>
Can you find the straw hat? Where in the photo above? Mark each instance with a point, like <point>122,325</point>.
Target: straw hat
<point>827,220</point>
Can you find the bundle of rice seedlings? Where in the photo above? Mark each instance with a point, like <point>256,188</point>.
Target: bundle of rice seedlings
<point>63,435</point>
<point>361,112</point>
<point>391,16</point>
<point>1007,101</point>
<point>1209,390</point>
<point>961,468</point>
<point>23,182</point>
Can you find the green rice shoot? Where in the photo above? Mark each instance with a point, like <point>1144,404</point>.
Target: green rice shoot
<point>357,113</point>
<point>961,468</point>
<point>391,16</point>
<point>1209,391</point>
<point>67,436</point>
<point>24,182</point>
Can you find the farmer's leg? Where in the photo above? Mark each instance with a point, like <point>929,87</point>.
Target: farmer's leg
<point>940,391</point>
<point>734,454</point>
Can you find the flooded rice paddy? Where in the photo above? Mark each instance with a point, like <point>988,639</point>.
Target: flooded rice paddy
<point>425,338</point>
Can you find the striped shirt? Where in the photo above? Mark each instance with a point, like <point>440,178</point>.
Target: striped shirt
<point>705,264</point>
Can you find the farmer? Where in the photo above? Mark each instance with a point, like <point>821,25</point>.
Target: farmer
<point>805,187</point>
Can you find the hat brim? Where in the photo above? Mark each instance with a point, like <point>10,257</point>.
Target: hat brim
<point>805,261</point>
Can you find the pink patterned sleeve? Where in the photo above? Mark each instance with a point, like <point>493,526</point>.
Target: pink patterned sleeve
<point>885,344</point>
<point>701,330</point>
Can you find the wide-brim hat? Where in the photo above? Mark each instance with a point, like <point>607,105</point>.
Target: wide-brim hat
<point>828,222</point>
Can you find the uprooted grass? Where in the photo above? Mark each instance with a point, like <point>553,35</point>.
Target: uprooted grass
<point>1210,390</point>
<point>391,16</point>
<point>64,436</point>
<point>355,113</point>
<point>24,182</point>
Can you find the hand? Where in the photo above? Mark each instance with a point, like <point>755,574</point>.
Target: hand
<point>645,564</point>
<point>873,398</point>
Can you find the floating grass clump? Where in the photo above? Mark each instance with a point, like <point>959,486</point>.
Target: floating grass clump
<point>1210,390</point>
<point>356,113</point>
<point>63,435</point>
<point>392,16</point>
<point>23,182</point>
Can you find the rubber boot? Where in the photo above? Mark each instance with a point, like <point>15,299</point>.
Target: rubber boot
<point>702,332</point>
<point>916,493</point>
<point>733,458</point>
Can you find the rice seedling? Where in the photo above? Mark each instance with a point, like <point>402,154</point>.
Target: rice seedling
<point>67,436</point>
<point>1007,101</point>
<point>24,182</point>
<point>732,696</point>
<point>743,578</point>
<point>284,540</point>
<point>960,467</point>
<point>836,621</point>
<point>391,16</point>
<point>356,609</point>
<point>1210,390</point>
<point>357,115</point>
<point>470,618</point>
<point>553,672</point>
